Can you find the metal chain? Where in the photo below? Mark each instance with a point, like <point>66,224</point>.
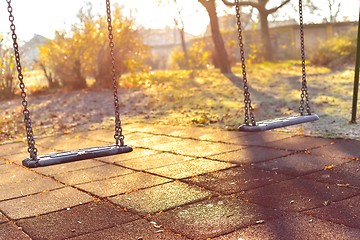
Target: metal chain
<point>249,115</point>
<point>304,102</point>
<point>119,137</point>
<point>29,131</point>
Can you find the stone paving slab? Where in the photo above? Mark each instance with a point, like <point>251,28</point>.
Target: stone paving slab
<point>104,135</point>
<point>299,164</point>
<point>154,161</point>
<point>75,221</point>
<point>11,231</point>
<point>24,188</point>
<point>92,174</point>
<point>250,155</point>
<point>19,157</point>
<point>68,167</point>
<point>137,230</point>
<point>190,168</point>
<point>122,184</point>
<point>294,227</point>
<point>314,186</point>
<point>214,217</point>
<point>341,148</point>
<point>12,148</point>
<point>258,139</point>
<point>68,142</point>
<point>297,195</point>
<point>151,140</point>
<point>195,148</point>
<point>156,128</point>
<point>220,135</point>
<point>238,179</point>
<point>136,153</point>
<point>43,203</point>
<point>344,174</point>
<point>300,143</point>
<point>11,173</point>
<point>161,198</point>
<point>2,218</point>
<point>346,212</point>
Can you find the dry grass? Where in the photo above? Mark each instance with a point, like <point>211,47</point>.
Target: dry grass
<point>203,97</point>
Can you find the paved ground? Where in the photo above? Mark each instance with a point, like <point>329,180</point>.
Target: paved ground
<point>185,183</point>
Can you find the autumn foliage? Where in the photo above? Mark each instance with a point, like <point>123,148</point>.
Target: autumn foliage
<point>84,52</point>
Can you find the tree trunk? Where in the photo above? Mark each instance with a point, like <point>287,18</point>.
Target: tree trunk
<point>221,54</point>
<point>183,45</point>
<point>265,35</point>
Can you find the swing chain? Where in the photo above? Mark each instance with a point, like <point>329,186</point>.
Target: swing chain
<point>29,131</point>
<point>119,137</point>
<point>249,115</point>
<point>304,102</point>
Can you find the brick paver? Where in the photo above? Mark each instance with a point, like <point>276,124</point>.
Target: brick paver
<point>190,168</point>
<point>214,217</point>
<point>138,230</point>
<point>251,154</point>
<point>298,195</point>
<point>122,184</point>
<point>346,174</point>
<point>236,179</point>
<point>160,198</point>
<point>154,161</point>
<point>11,231</point>
<point>345,212</point>
<point>195,148</point>
<point>24,188</point>
<point>43,202</point>
<point>91,174</point>
<point>185,183</point>
<point>294,227</point>
<point>2,218</point>
<point>299,164</point>
<point>340,148</point>
<point>75,221</point>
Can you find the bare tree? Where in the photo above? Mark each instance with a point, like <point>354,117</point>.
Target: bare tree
<point>334,9</point>
<point>260,5</point>
<point>220,51</point>
<point>179,24</point>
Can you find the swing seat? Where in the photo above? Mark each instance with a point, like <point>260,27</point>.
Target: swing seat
<point>278,123</point>
<point>75,155</point>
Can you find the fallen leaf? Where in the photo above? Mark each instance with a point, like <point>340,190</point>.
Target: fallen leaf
<point>329,167</point>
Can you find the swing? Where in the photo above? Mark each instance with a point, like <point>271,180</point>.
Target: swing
<point>75,155</point>
<point>250,125</point>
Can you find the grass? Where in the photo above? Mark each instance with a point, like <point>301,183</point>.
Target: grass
<point>203,97</point>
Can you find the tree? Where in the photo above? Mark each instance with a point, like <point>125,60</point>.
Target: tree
<point>220,51</point>
<point>7,71</point>
<point>260,5</point>
<point>180,26</point>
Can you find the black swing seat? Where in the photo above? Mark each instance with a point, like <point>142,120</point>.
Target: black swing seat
<point>75,155</point>
<point>278,123</point>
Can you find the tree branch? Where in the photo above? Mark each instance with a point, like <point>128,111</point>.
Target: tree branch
<point>243,3</point>
<point>272,10</point>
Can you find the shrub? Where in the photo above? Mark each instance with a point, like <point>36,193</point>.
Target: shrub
<point>7,73</point>
<point>336,51</point>
<point>199,57</point>
<point>84,52</point>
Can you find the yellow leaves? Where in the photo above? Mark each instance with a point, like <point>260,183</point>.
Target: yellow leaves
<point>329,167</point>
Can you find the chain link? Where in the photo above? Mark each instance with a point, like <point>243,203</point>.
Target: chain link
<point>119,137</point>
<point>304,102</point>
<point>29,131</point>
<point>248,113</point>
